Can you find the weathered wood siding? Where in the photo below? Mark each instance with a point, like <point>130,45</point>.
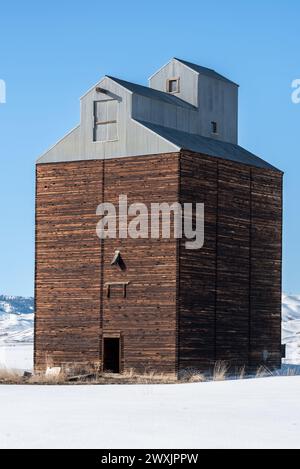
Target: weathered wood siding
<point>183,308</point>
<point>67,263</point>
<point>266,242</point>
<point>230,290</point>
<point>146,318</point>
<point>233,263</point>
<point>196,322</point>
<point>73,310</point>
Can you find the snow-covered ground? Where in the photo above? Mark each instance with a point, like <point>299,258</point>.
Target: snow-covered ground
<point>258,413</point>
<point>18,356</point>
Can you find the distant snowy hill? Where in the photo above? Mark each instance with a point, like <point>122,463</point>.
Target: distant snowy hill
<point>16,319</point>
<point>16,323</point>
<point>291,327</point>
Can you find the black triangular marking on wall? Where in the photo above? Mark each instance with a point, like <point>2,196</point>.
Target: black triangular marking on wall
<point>118,261</point>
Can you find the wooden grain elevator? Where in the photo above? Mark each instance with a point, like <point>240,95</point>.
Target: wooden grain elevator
<point>166,308</point>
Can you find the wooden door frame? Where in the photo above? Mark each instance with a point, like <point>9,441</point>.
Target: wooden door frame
<point>113,335</point>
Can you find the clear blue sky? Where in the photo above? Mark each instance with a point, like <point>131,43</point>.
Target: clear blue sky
<point>51,52</point>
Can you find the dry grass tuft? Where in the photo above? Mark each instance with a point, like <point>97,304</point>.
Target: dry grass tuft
<point>220,371</point>
<point>77,369</point>
<point>263,372</point>
<point>91,374</point>
<point>197,378</point>
<point>241,373</point>
<point>42,378</point>
<point>10,376</point>
<point>129,374</point>
<point>148,377</point>
<point>163,378</point>
<point>192,375</point>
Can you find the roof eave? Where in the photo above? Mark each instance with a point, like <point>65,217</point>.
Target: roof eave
<point>220,77</point>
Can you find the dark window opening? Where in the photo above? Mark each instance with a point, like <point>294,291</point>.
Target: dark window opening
<point>214,127</point>
<point>173,85</point>
<point>111,355</point>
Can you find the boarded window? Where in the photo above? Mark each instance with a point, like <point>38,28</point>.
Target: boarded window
<point>105,120</point>
<point>116,289</point>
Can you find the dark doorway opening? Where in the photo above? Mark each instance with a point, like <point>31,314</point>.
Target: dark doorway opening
<point>111,355</point>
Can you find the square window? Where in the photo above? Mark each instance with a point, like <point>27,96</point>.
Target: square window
<point>214,127</point>
<point>173,85</point>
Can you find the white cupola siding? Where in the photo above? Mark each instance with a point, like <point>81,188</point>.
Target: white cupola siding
<point>214,96</point>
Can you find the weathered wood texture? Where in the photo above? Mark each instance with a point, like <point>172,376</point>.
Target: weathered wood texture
<point>67,263</point>
<point>230,290</point>
<point>196,322</point>
<point>146,318</point>
<point>73,310</point>
<point>266,241</point>
<point>182,308</point>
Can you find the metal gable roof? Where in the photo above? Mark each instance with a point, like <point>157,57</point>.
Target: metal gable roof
<point>152,93</point>
<point>205,71</point>
<point>208,146</point>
